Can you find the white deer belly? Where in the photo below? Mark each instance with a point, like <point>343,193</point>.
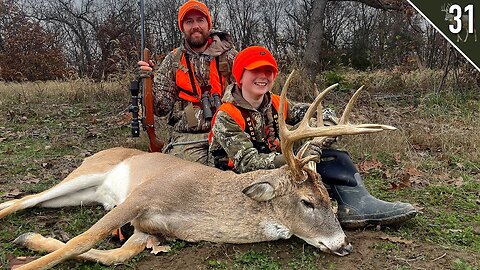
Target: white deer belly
<point>115,188</point>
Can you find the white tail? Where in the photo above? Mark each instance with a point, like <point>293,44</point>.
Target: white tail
<point>163,195</point>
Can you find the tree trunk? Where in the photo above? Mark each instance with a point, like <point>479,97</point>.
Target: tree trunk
<point>311,59</point>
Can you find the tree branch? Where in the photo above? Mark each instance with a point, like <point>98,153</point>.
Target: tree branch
<point>380,4</point>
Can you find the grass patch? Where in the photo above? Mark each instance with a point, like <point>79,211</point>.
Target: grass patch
<point>255,260</point>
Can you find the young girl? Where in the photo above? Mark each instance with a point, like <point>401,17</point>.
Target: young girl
<point>245,137</point>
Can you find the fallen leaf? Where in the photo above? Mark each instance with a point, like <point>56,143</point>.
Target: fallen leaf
<point>393,186</point>
<point>153,243</point>
<point>418,208</point>
<point>395,239</point>
<point>157,249</point>
<point>16,262</point>
<point>397,157</point>
<point>458,182</point>
<point>368,165</point>
<point>412,171</point>
<point>387,174</point>
<point>15,194</point>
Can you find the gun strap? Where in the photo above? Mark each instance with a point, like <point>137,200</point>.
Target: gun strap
<point>217,62</point>
<point>191,76</point>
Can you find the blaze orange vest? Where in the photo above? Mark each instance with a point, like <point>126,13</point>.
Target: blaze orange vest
<point>239,118</point>
<point>186,81</point>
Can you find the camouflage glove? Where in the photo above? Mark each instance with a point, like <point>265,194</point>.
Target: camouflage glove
<point>328,142</point>
<point>314,150</point>
<point>330,119</point>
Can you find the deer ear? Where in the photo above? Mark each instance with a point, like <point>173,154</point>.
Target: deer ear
<point>262,191</point>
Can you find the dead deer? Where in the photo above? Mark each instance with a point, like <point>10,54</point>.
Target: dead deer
<point>162,195</point>
<point>464,20</point>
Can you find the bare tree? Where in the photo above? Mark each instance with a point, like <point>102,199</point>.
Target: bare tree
<point>243,21</point>
<point>311,57</point>
<point>28,51</point>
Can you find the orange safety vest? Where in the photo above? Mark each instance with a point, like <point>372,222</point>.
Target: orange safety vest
<point>239,118</point>
<point>186,81</point>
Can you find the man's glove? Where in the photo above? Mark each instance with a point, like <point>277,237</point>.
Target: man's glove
<point>314,150</point>
<point>330,119</point>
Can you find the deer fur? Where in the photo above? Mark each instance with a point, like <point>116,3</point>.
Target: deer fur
<point>194,204</point>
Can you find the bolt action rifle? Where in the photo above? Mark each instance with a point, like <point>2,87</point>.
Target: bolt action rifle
<point>146,95</point>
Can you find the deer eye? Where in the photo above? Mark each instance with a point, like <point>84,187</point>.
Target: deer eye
<point>308,204</point>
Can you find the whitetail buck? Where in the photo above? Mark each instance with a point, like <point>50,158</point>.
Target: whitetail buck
<point>162,195</point>
<point>464,21</point>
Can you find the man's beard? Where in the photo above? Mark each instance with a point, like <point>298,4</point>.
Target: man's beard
<point>197,42</point>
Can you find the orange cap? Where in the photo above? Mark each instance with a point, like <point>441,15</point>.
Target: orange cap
<point>251,58</point>
<point>193,5</point>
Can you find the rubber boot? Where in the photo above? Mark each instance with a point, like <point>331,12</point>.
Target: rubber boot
<point>356,207</point>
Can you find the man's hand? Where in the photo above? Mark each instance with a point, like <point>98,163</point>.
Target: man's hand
<point>314,150</point>
<point>144,70</point>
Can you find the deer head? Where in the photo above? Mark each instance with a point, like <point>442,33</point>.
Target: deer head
<point>297,188</point>
<point>448,16</point>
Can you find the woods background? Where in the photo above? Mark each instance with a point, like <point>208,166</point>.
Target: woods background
<point>98,39</point>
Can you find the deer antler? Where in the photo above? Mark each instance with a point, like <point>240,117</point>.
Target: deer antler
<point>445,7</point>
<point>304,130</point>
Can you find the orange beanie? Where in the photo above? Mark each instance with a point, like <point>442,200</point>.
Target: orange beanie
<point>193,5</point>
<point>251,58</point>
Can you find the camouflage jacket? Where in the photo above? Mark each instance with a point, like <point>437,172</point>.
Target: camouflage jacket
<point>229,141</point>
<point>165,91</point>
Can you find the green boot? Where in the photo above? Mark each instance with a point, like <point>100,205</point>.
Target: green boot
<point>356,207</point>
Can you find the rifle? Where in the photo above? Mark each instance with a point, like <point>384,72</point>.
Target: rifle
<point>146,98</point>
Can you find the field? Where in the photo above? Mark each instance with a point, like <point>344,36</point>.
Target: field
<point>431,161</point>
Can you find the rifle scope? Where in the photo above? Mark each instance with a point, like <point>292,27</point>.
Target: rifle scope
<point>134,109</point>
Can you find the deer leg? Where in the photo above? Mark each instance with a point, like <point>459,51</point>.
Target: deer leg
<point>65,189</point>
<point>466,37</point>
<point>7,204</point>
<point>134,245</point>
<point>118,216</point>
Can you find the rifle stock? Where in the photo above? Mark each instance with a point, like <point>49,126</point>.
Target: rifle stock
<point>155,144</point>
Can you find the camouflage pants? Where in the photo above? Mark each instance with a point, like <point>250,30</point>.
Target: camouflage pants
<point>189,146</point>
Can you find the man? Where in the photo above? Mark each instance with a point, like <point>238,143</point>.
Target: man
<point>188,85</point>
<point>245,137</point>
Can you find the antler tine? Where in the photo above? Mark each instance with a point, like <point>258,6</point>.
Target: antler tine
<point>319,108</point>
<point>302,150</point>
<point>348,109</point>
<point>286,143</point>
<point>304,130</point>
<point>315,104</point>
<point>281,116</point>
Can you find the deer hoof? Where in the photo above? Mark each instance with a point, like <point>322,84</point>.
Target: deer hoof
<point>23,239</point>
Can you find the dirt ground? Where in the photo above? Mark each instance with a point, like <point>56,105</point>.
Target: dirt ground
<point>413,255</point>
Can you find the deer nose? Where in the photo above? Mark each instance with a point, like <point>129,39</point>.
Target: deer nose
<point>344,250</point>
